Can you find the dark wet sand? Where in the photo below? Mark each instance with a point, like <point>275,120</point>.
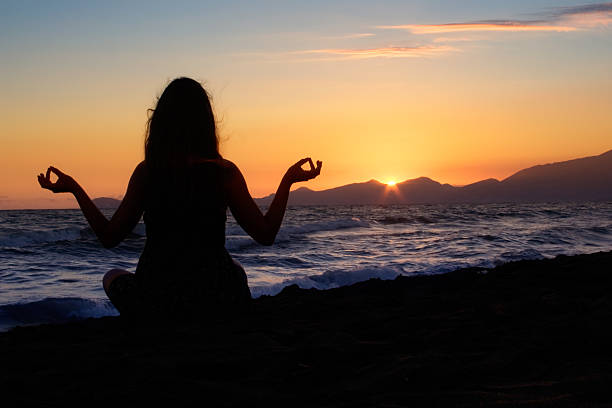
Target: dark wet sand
<point>529,333</point>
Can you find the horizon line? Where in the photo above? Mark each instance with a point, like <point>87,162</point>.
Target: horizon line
<point>343,185</point>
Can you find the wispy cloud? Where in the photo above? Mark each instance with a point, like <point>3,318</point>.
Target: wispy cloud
<point>555,20</point>
<point>337,54</point>
<point>383,52</point>
<point>587,16</point>
<point>492,25</point>
<point>564,19</point>
<point>354,35</point>
<point>453,39</point>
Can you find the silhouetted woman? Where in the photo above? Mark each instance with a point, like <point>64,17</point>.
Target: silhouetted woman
<point>182,189</point>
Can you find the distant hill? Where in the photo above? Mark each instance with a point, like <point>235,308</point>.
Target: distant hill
<point>106,202</point>
<point>585,179</point>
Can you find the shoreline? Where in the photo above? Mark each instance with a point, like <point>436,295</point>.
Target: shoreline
<point>20,310</point>
<point>531,332</point>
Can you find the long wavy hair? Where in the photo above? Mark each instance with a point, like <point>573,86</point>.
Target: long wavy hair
<point>181,128</point>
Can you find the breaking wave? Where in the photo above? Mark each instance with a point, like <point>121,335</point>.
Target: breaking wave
<point>330,279</point>
<point>53,310</point>
<point>15,238</point>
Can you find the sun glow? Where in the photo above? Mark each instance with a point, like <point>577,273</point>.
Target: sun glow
<point>391,183</point>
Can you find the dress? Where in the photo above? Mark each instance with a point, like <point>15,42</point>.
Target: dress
<point>184,269</point>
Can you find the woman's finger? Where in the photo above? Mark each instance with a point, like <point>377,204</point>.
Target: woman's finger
<point>43,182</point>
<point>56,171</point>
<point>48,175</point>
<point>312,167</point>
<point>301,162</point>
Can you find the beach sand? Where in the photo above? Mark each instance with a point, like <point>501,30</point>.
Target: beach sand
<point>529,333</point>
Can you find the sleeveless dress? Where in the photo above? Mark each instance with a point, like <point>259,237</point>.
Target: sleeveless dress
<point>184,270</point>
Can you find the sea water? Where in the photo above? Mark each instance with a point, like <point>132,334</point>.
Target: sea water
<point>51,264</point>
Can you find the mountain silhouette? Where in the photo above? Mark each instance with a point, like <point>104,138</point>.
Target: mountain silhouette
<point>585,179</point>
<point>106,202</point>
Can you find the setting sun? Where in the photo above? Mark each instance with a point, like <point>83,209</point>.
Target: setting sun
<point>391,182</point>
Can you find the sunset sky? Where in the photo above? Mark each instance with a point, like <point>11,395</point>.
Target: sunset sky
<point>454,90</point>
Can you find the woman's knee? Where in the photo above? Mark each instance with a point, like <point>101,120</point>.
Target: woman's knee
<point>110,276</point>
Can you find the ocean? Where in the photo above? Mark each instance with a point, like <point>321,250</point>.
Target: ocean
<point>51,265</point>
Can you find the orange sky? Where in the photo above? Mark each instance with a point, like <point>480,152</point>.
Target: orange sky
<point>495,104</point>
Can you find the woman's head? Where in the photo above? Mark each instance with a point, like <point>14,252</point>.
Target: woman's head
<point>182,126</point>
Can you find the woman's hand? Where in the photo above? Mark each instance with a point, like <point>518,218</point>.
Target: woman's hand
<point>264,228</point>
<point>296,173</point>
<point>64,183</point>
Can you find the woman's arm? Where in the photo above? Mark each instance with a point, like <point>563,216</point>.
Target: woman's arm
<point>110,233</point>
<point>263,228</point>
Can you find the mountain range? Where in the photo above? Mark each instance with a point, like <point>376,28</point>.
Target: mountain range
<point>585,179</point>
<point>106,202</point>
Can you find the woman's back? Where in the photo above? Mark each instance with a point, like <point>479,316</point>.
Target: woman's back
<point>189,208</point>
<point>185,263</point>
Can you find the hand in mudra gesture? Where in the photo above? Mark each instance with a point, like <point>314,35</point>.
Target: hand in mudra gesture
<point>296,173</point>
<point>63,184</point>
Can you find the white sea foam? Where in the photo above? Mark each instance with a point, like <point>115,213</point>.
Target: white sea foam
<point>58,310</point>
<point>53,310</point>
<point>330,279</point>
<point>9,238</point>
<point>14,238</point>
<point>527,253</point>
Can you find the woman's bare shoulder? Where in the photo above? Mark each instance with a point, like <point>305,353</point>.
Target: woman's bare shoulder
<point>232,172</point>
<point>225,163</point>
<point>229,165</point>
<point>140,171</point>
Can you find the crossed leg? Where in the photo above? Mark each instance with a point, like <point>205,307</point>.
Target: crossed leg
<point>110,276</point>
